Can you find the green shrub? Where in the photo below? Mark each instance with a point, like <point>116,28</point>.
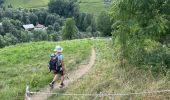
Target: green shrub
<point>151,56</point>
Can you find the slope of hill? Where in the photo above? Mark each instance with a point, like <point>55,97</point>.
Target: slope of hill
<point>93,6</point>
<point>89,6</point>
<point>27,64</point>
<point>27,3</point>
<point>106,76</point>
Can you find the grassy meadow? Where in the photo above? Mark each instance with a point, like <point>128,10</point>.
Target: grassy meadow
<point>27,3</point>
<point>26,64</point>
<point>88,6</point>
<point>93,6</point>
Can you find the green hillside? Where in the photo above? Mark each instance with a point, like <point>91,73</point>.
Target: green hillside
<point>93,6</point>
<point>89,6</point>
<point>27,64</point>
<point>106,76</point>
<point>27,3</point>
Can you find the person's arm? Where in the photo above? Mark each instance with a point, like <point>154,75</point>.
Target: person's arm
<point>62,63</point>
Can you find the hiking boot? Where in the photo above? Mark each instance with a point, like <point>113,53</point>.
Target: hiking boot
<point>61,85</point>
<point>51,85</point>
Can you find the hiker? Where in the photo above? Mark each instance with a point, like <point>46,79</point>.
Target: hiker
<point>56,64</point>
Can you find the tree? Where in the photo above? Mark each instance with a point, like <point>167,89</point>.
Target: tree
<point>7,26</point>
<point>17,24</point>
<point>66,8</point>
<point>1,13</point>
<point>104,23</point>
<point>17,15</point>
<point>2,31</point>
<point>84,20</point>
<point>136,21</point>
<point>8,13</point>
<point>33,18</point>
<point>79,21</point>
<point>24,36</point>
<point>1,2</point>
<point>70,30</point>
<point>55,36</point>
<point>50,19</point>
<point>26,18</point>
<point>56,26</point>
<point>10,39</point>
<point>41,14</point>
<point>2,41</point>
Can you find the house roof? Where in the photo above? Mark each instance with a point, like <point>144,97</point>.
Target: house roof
<point>28,26</point>
<point>40,26</point>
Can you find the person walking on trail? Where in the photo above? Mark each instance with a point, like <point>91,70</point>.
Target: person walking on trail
<point>56,64</point>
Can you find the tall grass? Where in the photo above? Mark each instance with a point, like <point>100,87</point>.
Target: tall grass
<point>26,64</point>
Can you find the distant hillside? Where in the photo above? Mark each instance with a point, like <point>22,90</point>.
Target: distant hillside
<point>27,3</point>
<point>90,6</point>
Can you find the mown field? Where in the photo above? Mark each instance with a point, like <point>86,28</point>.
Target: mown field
<point>26,64</point>
<point>89,6</point>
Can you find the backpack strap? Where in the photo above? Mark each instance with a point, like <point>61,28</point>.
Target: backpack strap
<point>59,60</point>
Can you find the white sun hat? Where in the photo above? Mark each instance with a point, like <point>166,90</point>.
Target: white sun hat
<point>58,48</point>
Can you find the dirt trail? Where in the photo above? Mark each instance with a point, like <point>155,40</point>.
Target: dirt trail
<point>74,75</point>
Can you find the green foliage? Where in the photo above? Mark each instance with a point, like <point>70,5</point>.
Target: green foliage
<point>40,35</point>
<point>56,26</point>
<point>150,56</point>
<point>67,8</point>
<point>70,30</point>
<point>85,20</point>
<point>1,2</point>
<point>33,18</point>
<point>14,19</point>
<point>51,19</point>
<point>2,41</point>
<point>10,39</point>
<point>41,14</point>
<point>136,22</point>
<point>104,23</point>
<point>7,26</point>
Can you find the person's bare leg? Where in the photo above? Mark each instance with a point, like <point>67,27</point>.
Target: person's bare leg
<point>62,79</point>
<point>55,79</point>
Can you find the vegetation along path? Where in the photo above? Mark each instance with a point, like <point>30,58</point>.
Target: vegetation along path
<point>74,75</point>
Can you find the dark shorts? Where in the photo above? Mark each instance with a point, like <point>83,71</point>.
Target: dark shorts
<point>58,72</point>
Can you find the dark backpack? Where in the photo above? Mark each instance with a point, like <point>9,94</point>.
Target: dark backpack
<point>54,63</point>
